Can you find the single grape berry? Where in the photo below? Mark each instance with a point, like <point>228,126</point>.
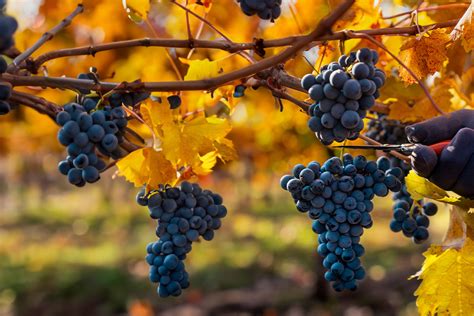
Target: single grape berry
<point>174,101</point>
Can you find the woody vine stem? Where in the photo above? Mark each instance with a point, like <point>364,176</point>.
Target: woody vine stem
<point>267,72</point>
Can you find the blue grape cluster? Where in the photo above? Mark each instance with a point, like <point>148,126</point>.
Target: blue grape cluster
<point>343,92</point>
<point>338,198</point>
<point>409,217</point>
<point>5,90</point>
<point>265,9</point>
<point>87,131</point>
<point>183,214</point>
<point>386,131</point>
<point>116,99</point>
<point>8,27</point>
<point>412,220</point>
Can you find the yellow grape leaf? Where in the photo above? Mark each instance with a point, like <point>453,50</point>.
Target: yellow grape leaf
<point>137,10</point>
<point>447,284</point>
<point>423,55</point>
<point>362,14</point>
<point>456,59</point>
<point>420,187</point>
<point>204,164</point>
<point>326,54</point>
<point>147,166</point>
<point>189,142</point>
<point>466,89</point>
<point>456,231</point>
<point>468,37</point>
<point>225,149</point>
<point>410,104</point>
<point>201,69</point>
<point>220,100</point>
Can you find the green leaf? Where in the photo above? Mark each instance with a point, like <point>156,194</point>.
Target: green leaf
<point>420,187</point>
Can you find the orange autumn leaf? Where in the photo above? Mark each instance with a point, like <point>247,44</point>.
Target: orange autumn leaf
<point>424,55</point>
<point>410,104</point>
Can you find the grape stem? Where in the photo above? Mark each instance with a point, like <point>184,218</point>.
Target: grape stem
<point>46,37</point>
<point>202,19</point>
<point>351,34</point>
<point>280,94</point>
<point>173,59</point>
<point>188,25</point>
<point>391,152</point>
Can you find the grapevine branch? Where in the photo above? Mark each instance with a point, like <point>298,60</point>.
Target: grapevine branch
<point>323,27</point>
<point>225,45</point>
<point>208,84</point>
<point>418,80</point>
<point>38,104</point>
<point>205,84</point>
<point>47,36</point>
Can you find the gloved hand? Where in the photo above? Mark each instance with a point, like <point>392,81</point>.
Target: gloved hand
<point>454,168</point>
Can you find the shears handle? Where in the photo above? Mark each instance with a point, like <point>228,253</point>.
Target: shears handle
<point>438,147</point>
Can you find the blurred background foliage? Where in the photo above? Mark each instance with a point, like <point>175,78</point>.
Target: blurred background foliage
<point>81,251</point>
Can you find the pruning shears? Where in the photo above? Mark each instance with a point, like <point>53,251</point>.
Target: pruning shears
<point>406,149</point>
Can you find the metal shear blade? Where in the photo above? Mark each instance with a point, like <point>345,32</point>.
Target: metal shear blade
<point>406,149</point>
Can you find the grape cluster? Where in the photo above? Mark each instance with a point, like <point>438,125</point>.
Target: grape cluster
<point>343,92</point>
<point>408,216</point>
<point>184,214</point>
<point>265,9</point>
<point>386,131</point>
<point>338,197</point>
<point>5,90</point>
<point>128,99</point>
<point>412,220</point>
<point>8,27</point>
<point>87,130</point>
